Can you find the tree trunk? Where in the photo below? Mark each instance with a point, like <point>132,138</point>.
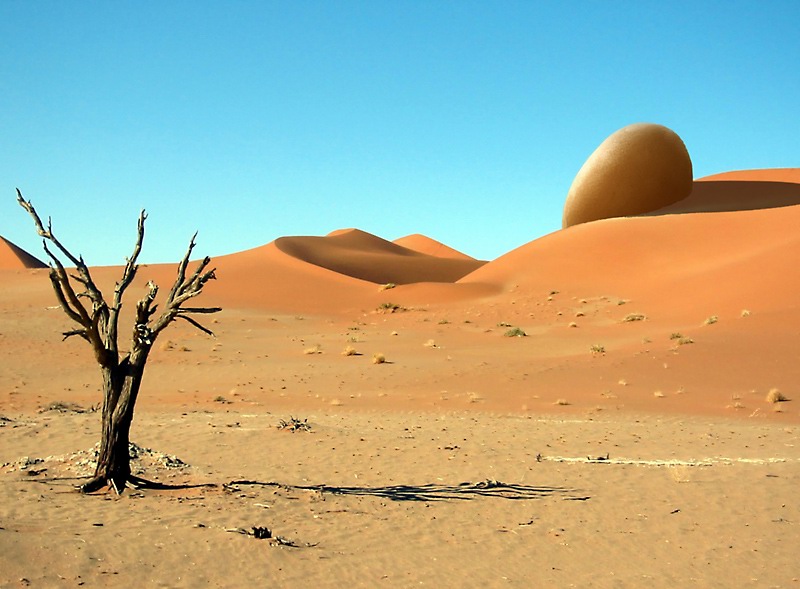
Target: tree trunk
<point>121,385</point>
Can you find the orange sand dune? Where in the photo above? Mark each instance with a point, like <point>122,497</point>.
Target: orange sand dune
<point>677,263</point>
<point>367,257</point>
<point>426,245</point>
<point>14,257</point>
<point>735,195</point>
<point>763,175</point>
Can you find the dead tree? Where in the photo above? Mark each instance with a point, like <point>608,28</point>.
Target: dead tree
<point>98,324</point>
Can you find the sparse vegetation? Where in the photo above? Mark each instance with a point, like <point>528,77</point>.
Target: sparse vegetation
<point>316,349</point>
<point>349,351</point>
<point>430,344</point>
<point>633,317</point>
<point>775,396</point>
<point>295,425</point>
<point>597,349</point>
<point>378,358</point>
<point>387,286</point>
<point>504,324</point>
<point>515,332</point>
<point>561,402</point>
<point>745,313</point>
<point>443,322</point>
<point>711,320</point>
<point>389,308</point>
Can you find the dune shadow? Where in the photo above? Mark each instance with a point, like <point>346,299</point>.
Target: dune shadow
<point>429,492</point>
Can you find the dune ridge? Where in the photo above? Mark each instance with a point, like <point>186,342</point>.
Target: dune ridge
<point>14,257</point>
<point>367,257</point>
<point>426,245</point>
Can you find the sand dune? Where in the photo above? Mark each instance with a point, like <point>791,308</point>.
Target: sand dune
<point>431,247</point>
<point>762,175</point>
<point>367,257</point>
<point>14,257</point>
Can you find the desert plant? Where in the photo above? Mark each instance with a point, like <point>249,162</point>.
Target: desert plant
<point>349,351</point>
<point>378,358</point>
<point>775,396</point>
<point>98,321</point>
<point>387,286</point>
<point>597,349</point>
<point>315,349</point>
<point>295,425</point>
<point>711,320</point>
<point>633,317</point>
<point>515,332</point>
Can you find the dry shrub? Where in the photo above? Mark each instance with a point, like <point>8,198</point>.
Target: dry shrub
<point>775,396</point>
<point>561,402</point>
<point>349,351</point>
<point>633,317</point>
<point>313,350</point>
<point>515,332</point>
<point>378,358</point>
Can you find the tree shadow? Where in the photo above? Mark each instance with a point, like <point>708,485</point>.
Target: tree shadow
<point>134,482</point>
<point>430,492</point>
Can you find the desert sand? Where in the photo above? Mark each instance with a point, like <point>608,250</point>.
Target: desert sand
<point>626,440</point>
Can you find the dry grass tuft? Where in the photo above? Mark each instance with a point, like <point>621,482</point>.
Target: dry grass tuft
<point>633,317</point>
<point>378,358</point>
<point>430,344</point>
<point>515,332</point>
<point>313,350</point>
<point>561,402</point>
<point>349,351</point>
<point>596,349</point>
<point>711,320</point>
<point>745,313</point>
<point>775,396</point>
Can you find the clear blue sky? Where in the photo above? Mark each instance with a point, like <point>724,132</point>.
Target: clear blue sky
<point>465,121</point>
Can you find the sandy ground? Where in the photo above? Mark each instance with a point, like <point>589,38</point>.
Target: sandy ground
<point>402,499</point>
<point>625,440</point>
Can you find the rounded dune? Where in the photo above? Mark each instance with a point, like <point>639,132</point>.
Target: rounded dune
<point>791,175</point>
<point>638,169</point>
<point>367,257</point>
<point>14,257</point>
<point>426,245</point>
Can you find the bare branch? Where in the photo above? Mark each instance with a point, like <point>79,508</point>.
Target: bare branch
<point>181,278</point>
<point>93,292</point>
<point>46,233</point>
<point>184,310</point>
<point>79,332</point>
<point>197,325</point>
<point>131,267</point>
